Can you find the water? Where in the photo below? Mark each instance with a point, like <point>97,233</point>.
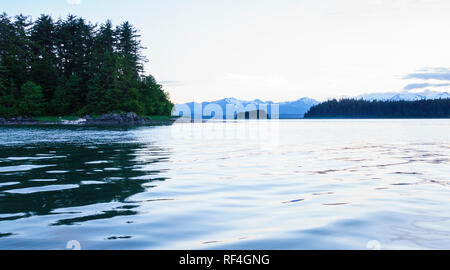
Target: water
<point>288,184</point>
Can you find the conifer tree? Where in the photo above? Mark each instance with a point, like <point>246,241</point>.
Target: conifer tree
<point>72,67</point>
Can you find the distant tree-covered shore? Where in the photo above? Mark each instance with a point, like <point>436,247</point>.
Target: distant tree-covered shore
<point>72,67</point>
<point>358,108</point>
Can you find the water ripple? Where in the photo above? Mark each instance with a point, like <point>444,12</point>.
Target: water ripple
<point>320,184</point>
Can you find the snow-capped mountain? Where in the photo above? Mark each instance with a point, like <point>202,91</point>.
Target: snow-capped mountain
<point>443,95</point>
<point>296,109</point>
<point>288,109</point>
<point>410,96</point>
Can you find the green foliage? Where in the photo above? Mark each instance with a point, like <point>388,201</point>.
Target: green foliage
<point>155,100</point>
<point>72,67</point>
<point>60,103</point>
<point>31,102</point>
<point>73,89</point>
<point>357,108</point>
<point>7,101</point>
<point>6,110</point>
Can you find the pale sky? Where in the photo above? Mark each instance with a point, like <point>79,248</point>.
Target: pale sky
<point>281,49</point>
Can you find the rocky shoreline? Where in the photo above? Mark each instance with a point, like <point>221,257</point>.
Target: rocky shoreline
<point>106,119</point>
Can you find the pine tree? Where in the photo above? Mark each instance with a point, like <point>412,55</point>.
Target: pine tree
<point>104,67</point>
<point>31,102</point>
<point>16,57</point>
<point>7,100</point>
<point>60,104</point>
<point>73,67</point>
<point>43,69</point>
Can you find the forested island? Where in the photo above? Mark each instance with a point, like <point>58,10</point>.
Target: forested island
<point>358,108</point>
<point>70,67</point>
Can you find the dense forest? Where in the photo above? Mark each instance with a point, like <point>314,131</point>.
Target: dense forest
<point>71,67</point>
<point>357,108</point>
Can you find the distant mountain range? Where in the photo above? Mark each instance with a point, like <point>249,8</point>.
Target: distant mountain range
<point>410,96</point>
<point>288,109</point>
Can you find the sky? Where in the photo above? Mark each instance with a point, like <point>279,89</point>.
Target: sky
<point>279,50</point>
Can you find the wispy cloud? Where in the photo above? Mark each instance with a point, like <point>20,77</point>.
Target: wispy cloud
<point>73,2</point>
<point>442,74</point>
<point>274,80</point>
<point>170,83</point>
<point>401,2</point>
<point>424,85</point>
<point>374,2</point>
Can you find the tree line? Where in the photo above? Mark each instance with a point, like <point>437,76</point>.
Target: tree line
<point>72,67</point>
<point>358,108</point>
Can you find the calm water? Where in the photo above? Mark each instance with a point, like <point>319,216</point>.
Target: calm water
<point>294,184</point>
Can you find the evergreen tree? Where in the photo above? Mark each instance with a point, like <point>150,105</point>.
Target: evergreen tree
<point>60,104</point>
<point>31,102</point>
<point>43,69</point>
<point>129,49</point>
<point>104,67</point>
<point>73,67</point>
<point>6,35</point>
<point>7,101</point>
<point>155,100</point>
<point>72,88</point>
<point>358,108</point>
<point>16,55</point>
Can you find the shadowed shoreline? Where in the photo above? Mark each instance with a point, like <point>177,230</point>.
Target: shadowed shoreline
<point>106,119</point>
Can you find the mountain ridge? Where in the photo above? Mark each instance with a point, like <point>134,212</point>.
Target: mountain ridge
<point>290,109</point>
<point>286,109</point>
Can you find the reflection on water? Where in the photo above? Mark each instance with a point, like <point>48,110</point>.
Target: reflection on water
<point>73,179</point>
<point>251,184</point>
<point>72,176</point>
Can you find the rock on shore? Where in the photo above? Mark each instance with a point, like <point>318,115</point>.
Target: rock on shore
<point>129,118</point>
<point>20,120</point>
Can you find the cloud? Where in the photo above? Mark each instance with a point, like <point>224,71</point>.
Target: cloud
<point>170,83</point>
<point>272,80</point>
<point>73,2</point>
<point>374,2</point>
<point>423,85</point>
<point>441,74</point>
<point>400,2</point>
